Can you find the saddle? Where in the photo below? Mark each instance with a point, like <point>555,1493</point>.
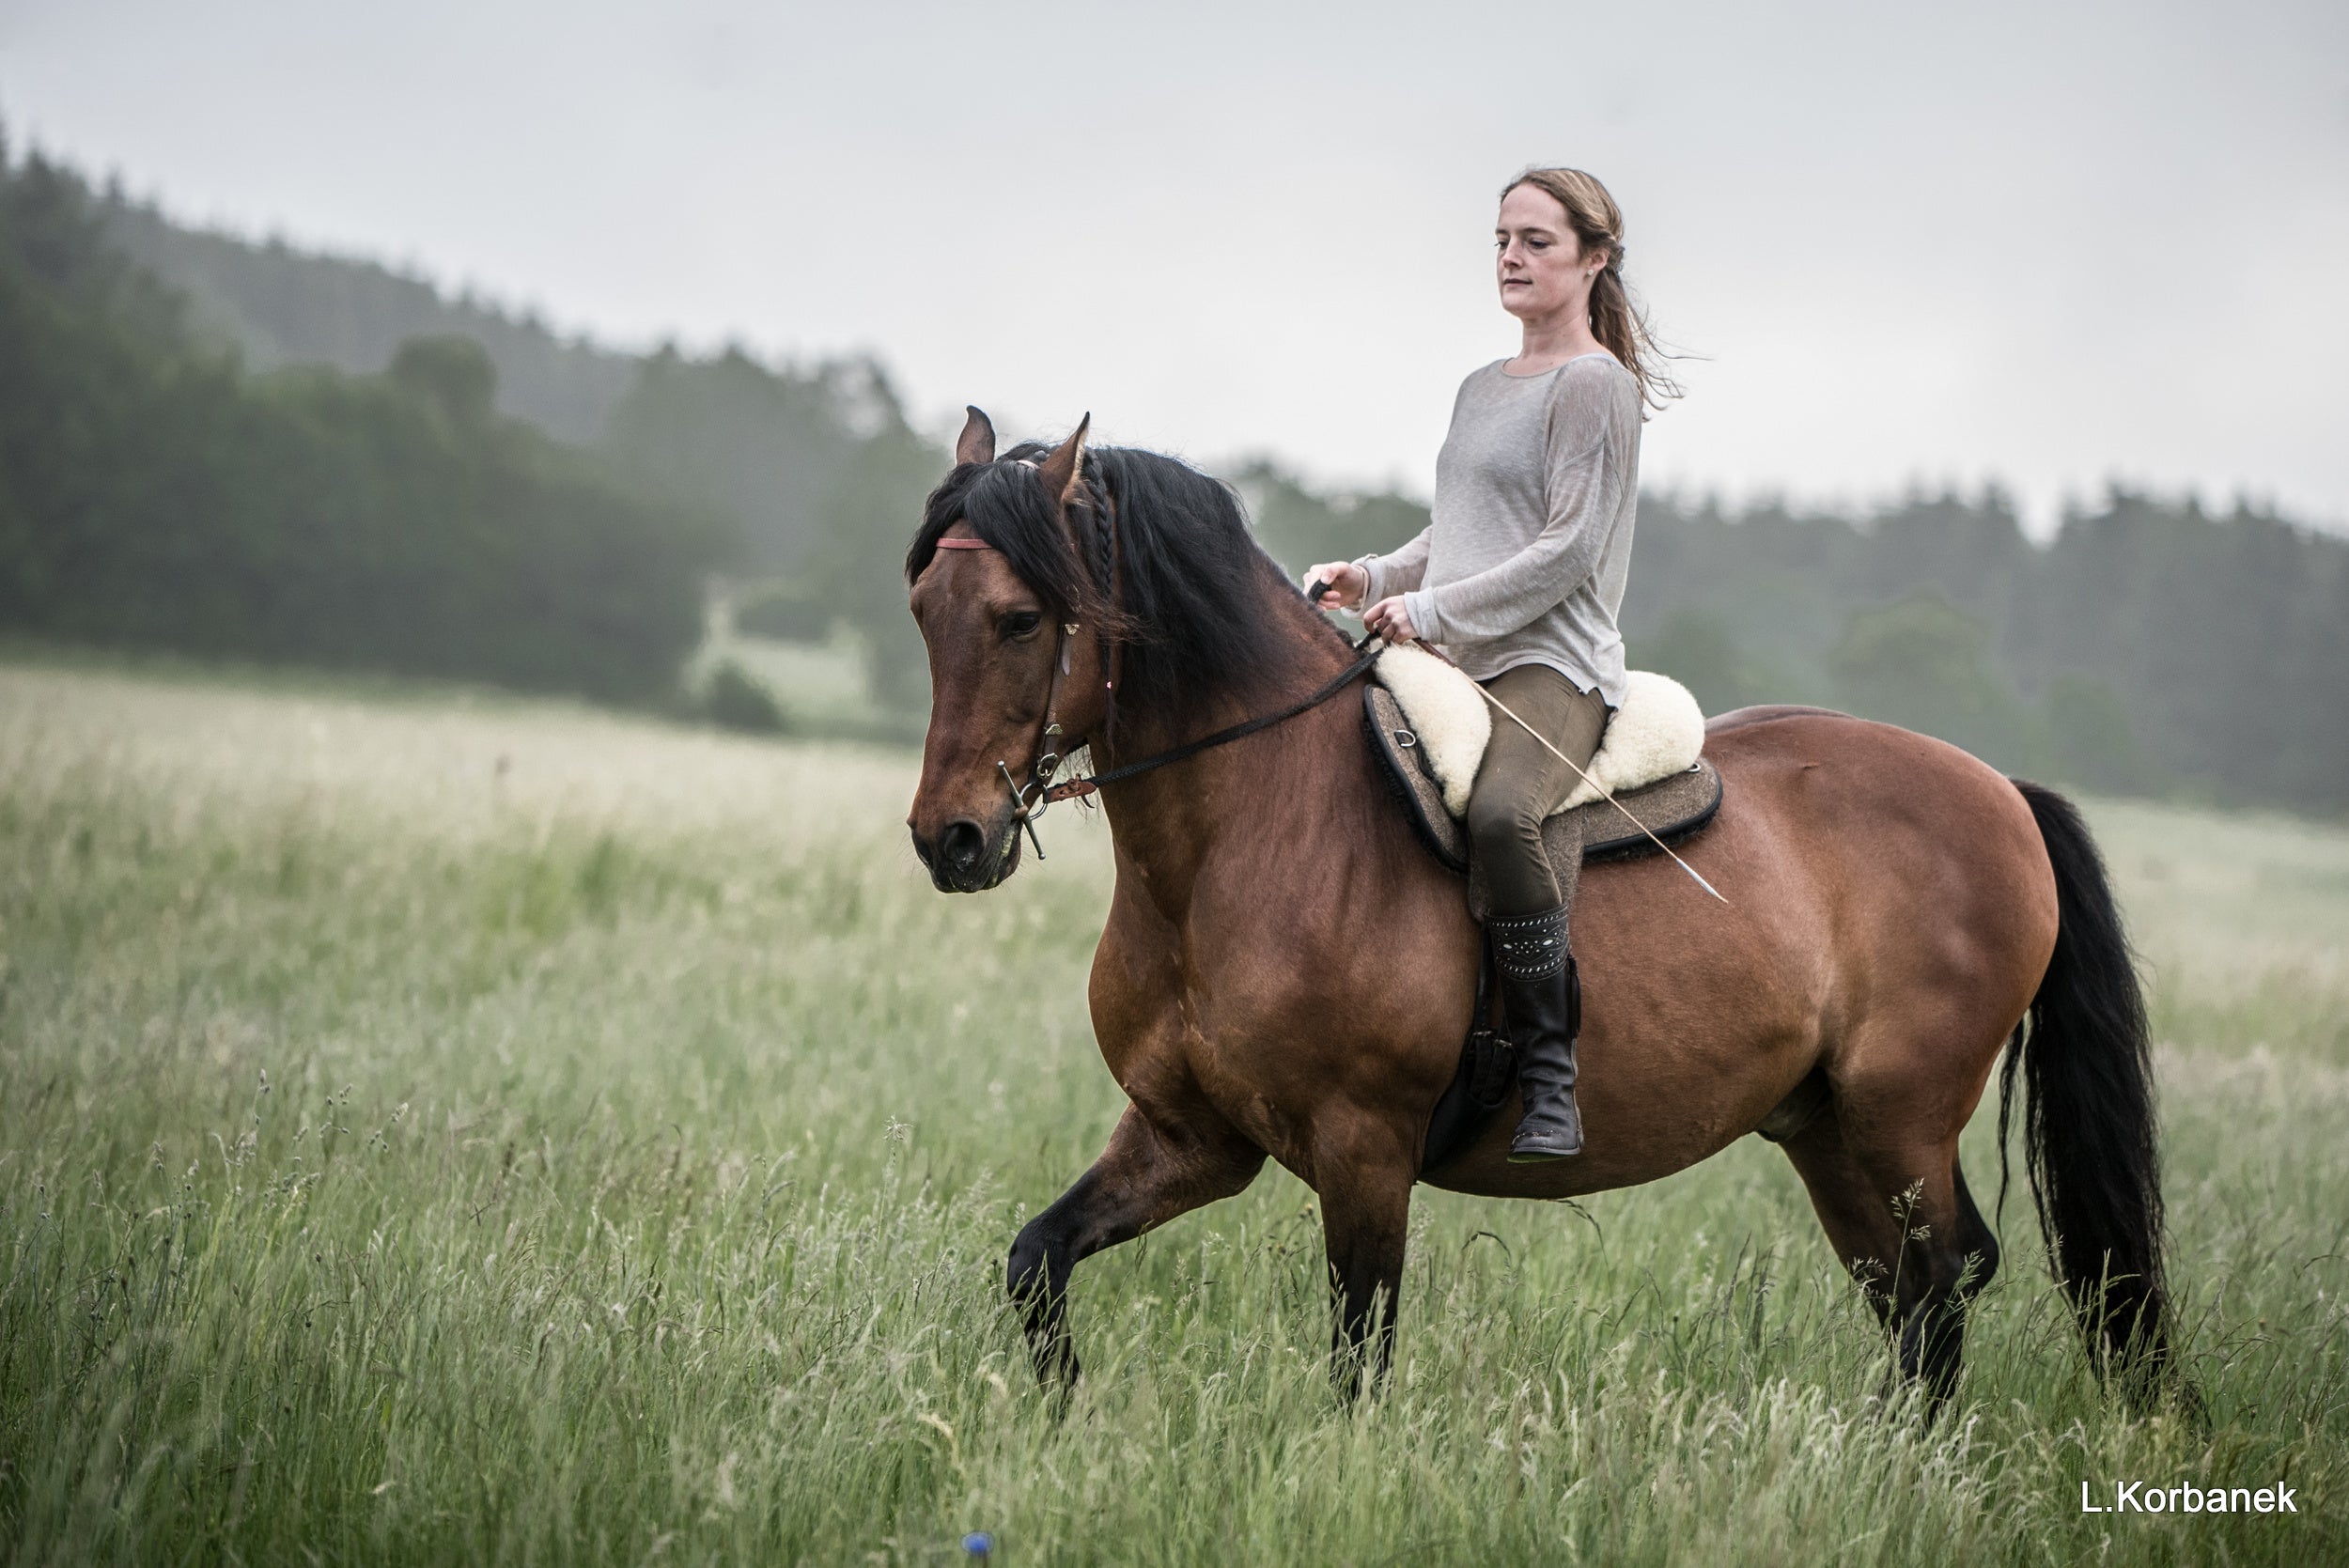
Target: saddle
<point>1429,726</point>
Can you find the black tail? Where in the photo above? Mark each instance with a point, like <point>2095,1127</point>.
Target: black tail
<point>2089,1135</point>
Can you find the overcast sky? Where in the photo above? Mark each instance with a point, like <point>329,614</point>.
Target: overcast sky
<point>2046,243</point>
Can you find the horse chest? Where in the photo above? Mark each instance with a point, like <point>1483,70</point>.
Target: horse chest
<point>1181,1029</point>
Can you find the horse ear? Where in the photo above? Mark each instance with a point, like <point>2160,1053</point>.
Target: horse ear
<point>1065,469</point>
<point>977,444</point>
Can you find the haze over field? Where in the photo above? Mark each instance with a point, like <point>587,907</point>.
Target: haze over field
<point>2050,245</point>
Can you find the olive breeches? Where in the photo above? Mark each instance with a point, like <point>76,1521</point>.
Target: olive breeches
<point>1519,780</point>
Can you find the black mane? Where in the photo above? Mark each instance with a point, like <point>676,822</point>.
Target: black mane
<point>1194,612</point>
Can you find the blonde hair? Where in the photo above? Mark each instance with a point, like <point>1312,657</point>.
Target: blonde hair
<point>1620,326</point>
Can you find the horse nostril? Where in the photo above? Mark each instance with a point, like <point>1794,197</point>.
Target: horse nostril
<point>962,844</point>
<point>921,847</point>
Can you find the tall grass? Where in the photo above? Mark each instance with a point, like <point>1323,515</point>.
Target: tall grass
<point>502,1133</point>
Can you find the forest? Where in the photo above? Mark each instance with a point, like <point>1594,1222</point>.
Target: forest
<point>158,493</point>
<point>230,448</point>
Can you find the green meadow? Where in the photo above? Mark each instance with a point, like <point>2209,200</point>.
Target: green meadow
<point>446,1128</point>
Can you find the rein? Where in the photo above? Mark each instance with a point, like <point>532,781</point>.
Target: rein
<point>1048,758</point>
<point>1076,788</point>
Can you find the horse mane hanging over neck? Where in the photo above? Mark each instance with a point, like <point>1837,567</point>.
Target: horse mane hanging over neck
<point>1196,606</point>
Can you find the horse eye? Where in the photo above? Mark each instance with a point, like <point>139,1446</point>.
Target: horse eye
<point>1022,623</point>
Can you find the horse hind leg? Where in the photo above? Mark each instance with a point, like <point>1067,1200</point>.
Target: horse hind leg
<point>1899,1218</point>
<point>1951,1269</point>
<point>1147,1175</point>
<point>1977,1243</point>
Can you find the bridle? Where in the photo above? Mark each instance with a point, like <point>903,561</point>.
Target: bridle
<point>1031,796</point>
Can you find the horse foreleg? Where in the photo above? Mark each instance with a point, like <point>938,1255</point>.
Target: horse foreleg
<point>1149,1174</point>
<point>1363,1172</point>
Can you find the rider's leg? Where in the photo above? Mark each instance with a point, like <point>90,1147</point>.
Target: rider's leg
<point>1517,783</point>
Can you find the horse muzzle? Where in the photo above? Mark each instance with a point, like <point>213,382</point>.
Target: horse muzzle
<point>967,857</point>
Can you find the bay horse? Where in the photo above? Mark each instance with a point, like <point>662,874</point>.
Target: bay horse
<point>1286,972</point>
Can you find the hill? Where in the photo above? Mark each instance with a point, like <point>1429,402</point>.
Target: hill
<point>155,493</point>
<point>766,444</point>
<point>281,306</point>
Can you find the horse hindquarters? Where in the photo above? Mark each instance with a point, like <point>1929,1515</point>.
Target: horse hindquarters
<point>1938,913</point>
<point>1882,1170</point>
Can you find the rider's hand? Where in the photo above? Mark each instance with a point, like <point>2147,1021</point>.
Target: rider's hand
<point>1389,619</point>
<point>1347,583</point>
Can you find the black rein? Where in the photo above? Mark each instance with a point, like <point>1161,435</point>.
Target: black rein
<point>1077,788</point>
<point>1074,788</point>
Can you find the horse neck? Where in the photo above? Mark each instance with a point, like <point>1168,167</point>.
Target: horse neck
<point>1246,797</point>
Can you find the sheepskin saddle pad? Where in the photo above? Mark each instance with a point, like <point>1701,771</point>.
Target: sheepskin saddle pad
<point>1429,726</point>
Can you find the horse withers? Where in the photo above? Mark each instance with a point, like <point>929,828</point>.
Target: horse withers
<point>1286,972</point>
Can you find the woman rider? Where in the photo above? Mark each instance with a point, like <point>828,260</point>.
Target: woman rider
<point>1519,578</point>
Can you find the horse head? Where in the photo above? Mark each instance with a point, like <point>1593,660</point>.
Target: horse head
<point>1010,585</point>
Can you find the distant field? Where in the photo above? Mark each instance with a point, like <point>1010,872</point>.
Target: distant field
<point>442,1130</point>
<point>818,687</point>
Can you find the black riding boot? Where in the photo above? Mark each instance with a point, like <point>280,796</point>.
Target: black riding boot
<point>1544,1000</point>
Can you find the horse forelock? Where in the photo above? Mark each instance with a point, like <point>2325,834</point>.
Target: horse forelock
<point>1003,503</point>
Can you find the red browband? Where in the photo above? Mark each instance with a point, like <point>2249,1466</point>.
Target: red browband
<point>964,544</point>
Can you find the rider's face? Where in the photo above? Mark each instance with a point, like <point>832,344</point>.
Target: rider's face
<point>1542,271</point>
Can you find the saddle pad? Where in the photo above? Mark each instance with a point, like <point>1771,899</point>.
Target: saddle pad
<point>1673,808</point>
<point>1659,731</point>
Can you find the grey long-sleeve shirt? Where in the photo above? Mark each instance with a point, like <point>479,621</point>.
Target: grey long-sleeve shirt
<point>1530,546</point>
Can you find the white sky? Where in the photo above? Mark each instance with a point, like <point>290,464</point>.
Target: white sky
<point>2041,242</point>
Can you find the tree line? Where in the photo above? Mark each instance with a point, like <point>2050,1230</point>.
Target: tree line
<point>2151,647</point>
<point>224,447</point>
<point>156,493</point>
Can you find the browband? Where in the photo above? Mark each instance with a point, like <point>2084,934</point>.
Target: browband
<point>964,544</point>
